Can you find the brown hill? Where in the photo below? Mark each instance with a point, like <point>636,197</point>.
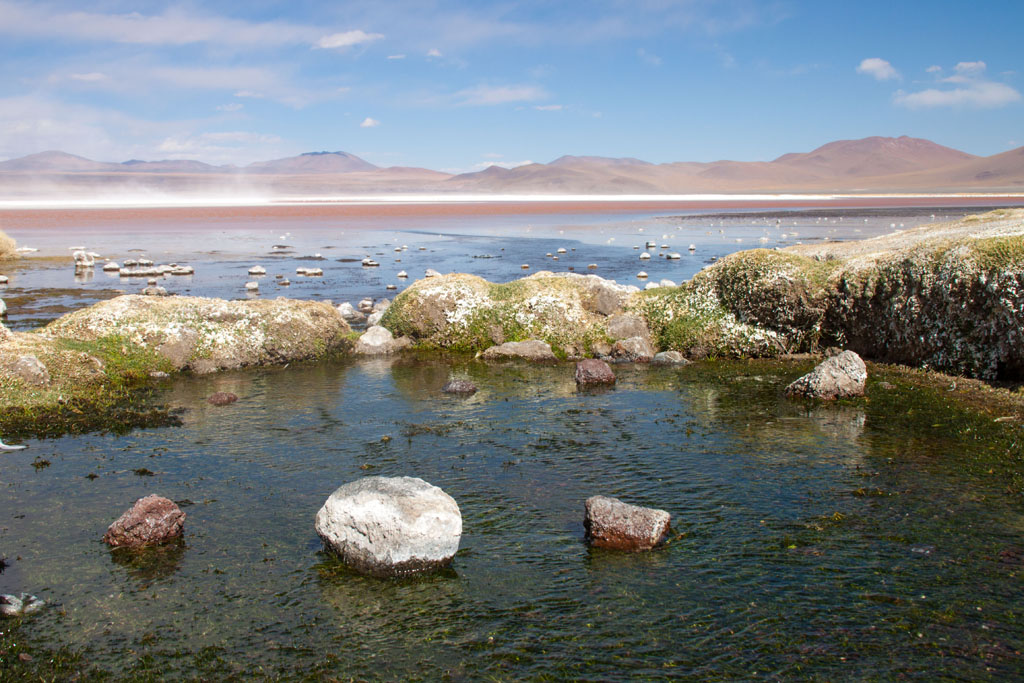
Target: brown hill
<point>313,162</point>
<point>874,156</point>
<point>53,161</point>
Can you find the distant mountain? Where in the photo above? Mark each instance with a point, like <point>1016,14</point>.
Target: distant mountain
<point>874,164</point>
<point>54,161</point>
<point>874,156</point>
<point>314,162</point>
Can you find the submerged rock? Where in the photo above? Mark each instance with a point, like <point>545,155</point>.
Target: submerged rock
<point>459,386</point>
<point>386,526</point>
<point>377,341</point>
<point>151,520</point>
<point>222,398</point>
<point>531,349</point>
<point>19,606</point>
<point>840,376</point>
<point>612,524</point>
<point>594,371</point>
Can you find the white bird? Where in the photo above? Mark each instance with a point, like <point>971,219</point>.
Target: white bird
<point>5,447</point>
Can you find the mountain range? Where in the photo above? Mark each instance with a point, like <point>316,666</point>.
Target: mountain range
<point>868,165</point>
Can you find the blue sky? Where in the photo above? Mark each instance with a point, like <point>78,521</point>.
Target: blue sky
<point>460,85</point>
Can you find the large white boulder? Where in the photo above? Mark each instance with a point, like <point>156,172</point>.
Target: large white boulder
<point>386,526</point>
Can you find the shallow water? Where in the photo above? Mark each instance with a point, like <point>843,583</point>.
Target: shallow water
<point>859,540</point>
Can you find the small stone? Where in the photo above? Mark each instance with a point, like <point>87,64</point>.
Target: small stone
<point>387,526</point>
<point>222,398</point>
<point>610,523</point>
<point>257,270</point>
<point>376,341</point>
<point>365,306</point>
<point>284,283</point>
<point>32,371</point>
<point>402,274</point>
<point>390,287</point>
<point>153,519</point>
<point>840,376</point>
<point>158,374</point>
<point>594,371</point>
<point>252,286</point>
<point>645,256</point>
<point>430,272</point>
<point>669,358</point>
<point>110,266</point>
<point>154,290</point>
<point>459,386</point>
<point>667,283</point>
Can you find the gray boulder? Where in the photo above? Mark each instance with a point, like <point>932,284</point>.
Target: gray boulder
<point>594,371</point>
<point>633,350</point>
<point>386,526</point>
<point>840,376</point>
<point>350,314</point>
<point>610,523</point>
<point>153,519</point>
<point>532,349</point>
<point>625,326</point>
<point>376,341</point>
<point>375,318</point>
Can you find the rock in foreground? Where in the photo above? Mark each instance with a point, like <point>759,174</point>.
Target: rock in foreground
<point>459,386</point>
<point>387,526</point>
<point>840,376</point>
<point>153,519</point>
<point>593,371</point>
<point>610,523</point>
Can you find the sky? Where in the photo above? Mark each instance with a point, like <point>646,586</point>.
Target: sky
<point>460,85</point>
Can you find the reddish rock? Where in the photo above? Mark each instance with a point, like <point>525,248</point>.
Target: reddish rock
<point>151,520</point>
<point>593,371</point>
<point>610,523</point>
<point>222,398</point>
<point>841,376</point>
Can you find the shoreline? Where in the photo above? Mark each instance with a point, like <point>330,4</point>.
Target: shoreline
<point>28,214</point>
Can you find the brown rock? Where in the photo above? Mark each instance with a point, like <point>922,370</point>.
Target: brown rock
<point>625,326</point>
<point>151,520</point>
<point>610,523</point>
<point>222,398</point>
<point>593,371</point>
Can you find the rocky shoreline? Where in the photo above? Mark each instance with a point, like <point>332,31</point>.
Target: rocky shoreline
<point>947,297</point>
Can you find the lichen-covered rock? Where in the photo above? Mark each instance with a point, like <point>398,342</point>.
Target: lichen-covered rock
<point>594,371</point>
<point>531,349</point>
<point>468,313</point>
<point>626,325</point>
<point>386,526</point>
<point>151,520</point>
<point>610,523</point>
<point>205,335</point>
<point>841,376</point>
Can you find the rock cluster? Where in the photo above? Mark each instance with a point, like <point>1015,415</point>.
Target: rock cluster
<point>387,526</point>
<point>151,520</point>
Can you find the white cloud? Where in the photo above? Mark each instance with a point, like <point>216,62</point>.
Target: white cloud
<point>978,95</point>
<point>486,95</point>
<point>879,69</point>
<point>433,52</point>
<point>652,59</point>
<point>396,56</point>
<point>549,107</point>
<point>369,123</point>
<point>347,39</point>
<point>934,69</point>
<point>91,77</point>
<point>233,106</point>
<point>973,90</point>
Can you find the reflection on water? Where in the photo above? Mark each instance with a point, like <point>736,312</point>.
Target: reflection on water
<point>798,530</point>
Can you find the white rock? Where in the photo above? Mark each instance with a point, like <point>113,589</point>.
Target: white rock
<point>83,260</point>
<point>391,287</point>
<point>692,247</point>
<point>182,270</point>
<point>391,525</point>
<point>673,255</point>
<point>376,341</point>
<point>645,256</point>
<point>374,318</point>
<point>365,305</point>
<point>350,314</point>
<point>667,283</point>
<point>641,275</point>
<point>252,286</point>
<point>257,270</point>
<point>3,308</point>
<point>4,280</point>
<point>651,285</point>
<point>402,273</point>
<point>560,250</point>
<point>430,272</point>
